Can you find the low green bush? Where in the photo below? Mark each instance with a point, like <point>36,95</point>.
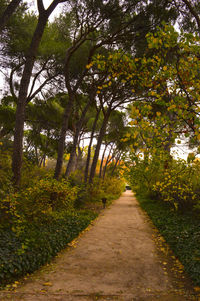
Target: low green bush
<point>25,252</point>
<point>110,188</point>
<point>34,202</point>
<point>5,173</point>
<point>181,232</point>
<point>167,179</point>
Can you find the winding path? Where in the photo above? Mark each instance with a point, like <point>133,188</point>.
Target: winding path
<point>117,258</point>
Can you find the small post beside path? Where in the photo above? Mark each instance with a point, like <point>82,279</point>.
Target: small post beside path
<point>104,202</point>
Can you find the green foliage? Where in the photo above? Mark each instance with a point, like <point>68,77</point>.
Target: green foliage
<point>143,173</point>
<point>32,173</point>
<point>35,202</point>
<point>179,185</point>
<point>181,232</point>
<point>38,243</point>
<point>110,188</point>
<point>5,173</point>
<point>91,194</point>
<point>172,181</point>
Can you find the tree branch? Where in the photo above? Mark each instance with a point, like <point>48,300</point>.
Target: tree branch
<point>8,13</point>
<point>192,11</point>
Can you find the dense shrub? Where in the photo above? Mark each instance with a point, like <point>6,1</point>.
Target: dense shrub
<point>179,185</point>
<point>181,232</point>
<point>25,252</point>
<point>110,188</point>
<point>5,173</point>
<point>32,173</point>
<point>143,173</point>
<point>113,187</point>
<point>37,201</point>
<point>167,179</point>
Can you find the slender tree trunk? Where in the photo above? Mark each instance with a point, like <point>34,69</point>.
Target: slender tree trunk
<point>75,139</point>
<point>61,142</point>
<point>99,142</point>
<point>44,161</point>
<point>8,13</point>
<point>20,111</point>
<point>71,158</point>
<point>105,167</point>
<point>90,146</point>
<point>116,163</point>
<point>36,155</point>
<point>102,159</point>
<point>79,157</point>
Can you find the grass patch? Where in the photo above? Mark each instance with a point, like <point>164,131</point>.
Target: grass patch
<point>181,232</point>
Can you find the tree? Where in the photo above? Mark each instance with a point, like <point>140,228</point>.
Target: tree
<point>24,84</point>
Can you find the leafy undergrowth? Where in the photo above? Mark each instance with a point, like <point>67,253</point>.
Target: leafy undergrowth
<point>181,232</point>
<point>38,243</point>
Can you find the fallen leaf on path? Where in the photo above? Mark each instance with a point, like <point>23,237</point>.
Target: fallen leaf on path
<point>14,285</point>
<point>47,284</point>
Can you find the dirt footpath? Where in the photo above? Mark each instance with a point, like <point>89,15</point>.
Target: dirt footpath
<point>116,259</point>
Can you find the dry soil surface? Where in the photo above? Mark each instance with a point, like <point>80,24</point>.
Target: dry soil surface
<point>119,257</point>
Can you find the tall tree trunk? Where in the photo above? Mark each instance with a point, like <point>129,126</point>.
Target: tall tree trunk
<point>102,159</point>
<point>105,167</point>
<point>116,163</point>
<point>61,142</point>
<point>79,158</point>
<point>72,157</point>
<point>90,146</point>
<point>99,142</point>
<point>75,139</point>
<point>20,111</point>
<point>8,13</point>
<point>36,155</point>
